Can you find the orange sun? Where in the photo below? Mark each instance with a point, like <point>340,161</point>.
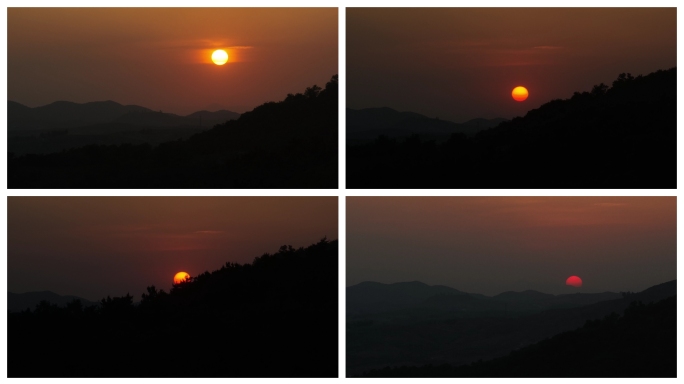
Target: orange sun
<point>519,93</point>
<point>180,277</point>
<point>219,57</point>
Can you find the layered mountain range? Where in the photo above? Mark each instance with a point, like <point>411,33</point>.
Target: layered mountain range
<point>414,324</point>
<point>65,115</point>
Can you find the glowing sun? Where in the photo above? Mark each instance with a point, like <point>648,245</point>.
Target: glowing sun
<point>519,94</point>
<point>574,281</point>
<point>219,57</point>
<point>180,277</point>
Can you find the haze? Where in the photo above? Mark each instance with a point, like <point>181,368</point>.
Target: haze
<point>491,245</point>
<point>160,58</point>
<point>97,246</point>
<point>462,63</point>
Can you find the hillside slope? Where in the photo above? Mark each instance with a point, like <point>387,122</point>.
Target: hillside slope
<point>275,317</point>
<point>622,136</point>
<point>641,343</point>
<point>289,144</point>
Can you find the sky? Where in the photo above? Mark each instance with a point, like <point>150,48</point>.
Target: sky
<point>160,58</point>
<point>490,245</point>
<point>92,247</point>
<point>462,63</point>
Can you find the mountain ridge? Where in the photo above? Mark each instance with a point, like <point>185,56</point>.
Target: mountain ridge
<point>447,330</point>
<point>17,302</point>
<point>67,114</point>
<point>369,123</point>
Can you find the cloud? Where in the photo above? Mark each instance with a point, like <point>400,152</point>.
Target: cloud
<point>610,204</point>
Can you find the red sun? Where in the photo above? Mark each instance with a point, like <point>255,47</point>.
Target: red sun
<point>574,281</point>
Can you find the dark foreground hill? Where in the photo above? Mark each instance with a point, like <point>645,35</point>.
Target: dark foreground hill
<point>288,144</point>
<point>17,302</point>
<point>276,317</point>
<point>622,136</point>
<point>641,343</point>
<point>462,328</point>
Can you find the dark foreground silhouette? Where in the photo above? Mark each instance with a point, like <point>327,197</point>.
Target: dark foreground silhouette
<point>289,144</point>
<point>412,324</point>
<point>622,136</point>
<point>17,302</point>
<point>276,317</point>
<point>641,343</point>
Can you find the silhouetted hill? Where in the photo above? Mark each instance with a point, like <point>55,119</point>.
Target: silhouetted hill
<point>369,123</point>
<point>641,343</point>
<point>275,317</point>
<point>530,301</point>
<point>61,114</point>
<point>66,114</point>
<point>480,123</point>
<point>17,302</point>
<point>63,126</point>
<point>210,119</point>
<point>461,329</point>
<point>622,136</point>
<point>372,297</point>
<point>289,144</point>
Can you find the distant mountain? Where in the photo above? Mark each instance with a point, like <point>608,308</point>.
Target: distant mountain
<point>369,123</point>
<point>62,114</point>
<point>463,328</point>
<point>536,301</point>
<point>65,114</point>
<point>641,343</point>
<point>371,297</point>
<point>17,302</point>
<point>289,144</point>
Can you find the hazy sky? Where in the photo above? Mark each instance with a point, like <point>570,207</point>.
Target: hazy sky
<point>160,58</point>
<point>97,246</point>
<point>462,63</point>
<point>494,244</point>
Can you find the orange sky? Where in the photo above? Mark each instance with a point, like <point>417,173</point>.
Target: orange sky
<point>493,244</point>
<point>462,63</point>
<point>160,57</point>
<point>97,246</point>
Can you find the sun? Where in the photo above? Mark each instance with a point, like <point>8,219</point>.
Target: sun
<point>219,57</point>
<point>519,93</point>
<point>180,277</point>
<point>574,281</point>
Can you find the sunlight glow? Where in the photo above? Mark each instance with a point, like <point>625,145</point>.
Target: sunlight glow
<point>574,281</point>
<point>219,57</point>
<point>180,277</point>
<point>519,93</point>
